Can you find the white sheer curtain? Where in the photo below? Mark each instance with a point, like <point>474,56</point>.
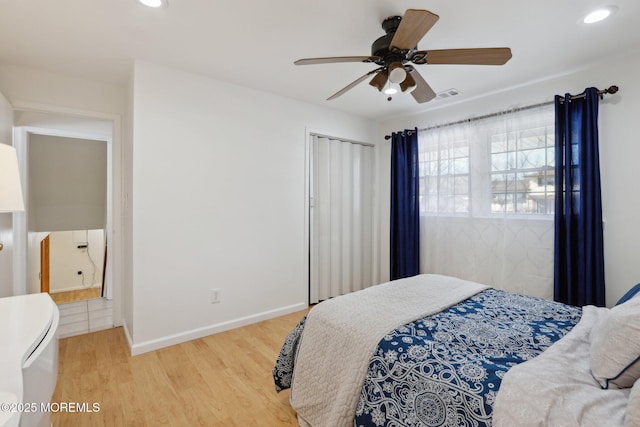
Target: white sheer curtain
<point>487,201</point>
<point>341,217</point>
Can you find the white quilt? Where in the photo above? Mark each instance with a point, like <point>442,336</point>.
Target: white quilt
<point>557,388</point>
<point>340,335</point>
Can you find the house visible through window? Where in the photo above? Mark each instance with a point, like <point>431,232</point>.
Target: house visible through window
<point>498,165</point>
<point>522,171</point>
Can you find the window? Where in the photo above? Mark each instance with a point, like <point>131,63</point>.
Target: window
<point>444,169</point>
<point>498,165</point>
<point>522,171</point>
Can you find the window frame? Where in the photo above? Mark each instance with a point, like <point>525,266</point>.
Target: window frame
<point>479,137</point>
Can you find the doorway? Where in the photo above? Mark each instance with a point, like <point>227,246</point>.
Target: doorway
<point>72,265</point>
<point>67,187</point>
<point>32,119</point>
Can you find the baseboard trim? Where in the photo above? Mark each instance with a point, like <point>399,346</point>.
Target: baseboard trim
<point>75,288</point>
<point>156,344</point>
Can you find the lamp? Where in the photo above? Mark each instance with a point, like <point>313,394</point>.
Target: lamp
<point>10,188</point>
<point>397,73</point>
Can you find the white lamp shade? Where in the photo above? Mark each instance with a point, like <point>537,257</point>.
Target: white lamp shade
<point>397,73</point>
<point>10,188</point>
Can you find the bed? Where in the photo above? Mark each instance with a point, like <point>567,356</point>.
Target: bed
<point>434,350</point>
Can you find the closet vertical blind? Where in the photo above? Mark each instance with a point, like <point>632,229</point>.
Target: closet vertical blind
<point>341,217</point>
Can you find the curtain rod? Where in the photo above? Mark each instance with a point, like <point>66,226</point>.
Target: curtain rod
<point>351,141</point>
<point>610,90</point>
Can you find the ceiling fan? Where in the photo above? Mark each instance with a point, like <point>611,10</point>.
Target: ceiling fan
<point>396,51</point>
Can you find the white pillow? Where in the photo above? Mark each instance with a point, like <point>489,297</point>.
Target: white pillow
<point>632,417</point>
<point>615,346</point>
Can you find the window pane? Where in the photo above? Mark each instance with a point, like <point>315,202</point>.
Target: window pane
<point>433,187</point>
<point>461,166</point>
<point>422,169</point>
<point>446,185</point>
<point>498,202</point>
<point>537,203</point>
<point>461,185</point>
<point>511,141</point>
<point>551,156</point>
<point>498,183</point>
<point>528,159</point>
<point>532,139</point>
<point>443,203</point>
<point>424,186</point>
<point>498,144</point>
<point>499,162</point>
<point>443,167</point>
<point>460,152</point>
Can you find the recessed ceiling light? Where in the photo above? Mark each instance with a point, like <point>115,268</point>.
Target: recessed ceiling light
<point>599,14</point>
<point>154,3</point>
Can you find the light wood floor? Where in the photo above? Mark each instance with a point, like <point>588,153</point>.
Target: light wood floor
<point>220,380</point>
<point>77,295</point>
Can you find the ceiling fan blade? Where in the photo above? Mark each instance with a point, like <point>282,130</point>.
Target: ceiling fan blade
<point>423,92</point>
<point>409,83</point>
<point>414,25</point>
<point>336,59</point>
<point>379,80</point>
<point>353,84</point>
<point>479,56</point>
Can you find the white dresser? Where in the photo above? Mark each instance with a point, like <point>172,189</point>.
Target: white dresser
<point>28,359</point>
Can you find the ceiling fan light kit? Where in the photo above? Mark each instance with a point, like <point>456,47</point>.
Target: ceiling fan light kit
<point>155,3</point>
<point>397,50</point>
<point>390,90</point>
<point>397,73</point>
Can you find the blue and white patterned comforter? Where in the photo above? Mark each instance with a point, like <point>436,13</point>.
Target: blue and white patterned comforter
<point>445,369</point>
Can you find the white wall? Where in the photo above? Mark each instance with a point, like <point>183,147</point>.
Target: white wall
<point>218,202</point>
<point>67,259</point>
<point>6,223</point>
<point>23,84</point>
<point>619,151</point>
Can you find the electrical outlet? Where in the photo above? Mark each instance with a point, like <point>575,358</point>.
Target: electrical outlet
<point>215,296</point>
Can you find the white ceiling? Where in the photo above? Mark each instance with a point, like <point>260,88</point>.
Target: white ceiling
<point>254,43</point>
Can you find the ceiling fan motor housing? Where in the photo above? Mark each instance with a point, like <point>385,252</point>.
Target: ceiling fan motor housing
<point>391,24</point>
<point>381,47</point>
